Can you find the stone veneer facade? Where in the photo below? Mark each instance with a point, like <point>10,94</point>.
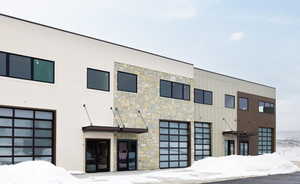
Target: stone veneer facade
<point>153,108</point>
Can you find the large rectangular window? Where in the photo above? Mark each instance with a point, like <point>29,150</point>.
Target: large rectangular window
<point>266,107</point>
<point>174,90</point>
<point>265,140</point>
<point>23,67</point>
<point>127,82</point>
<point>97,79</point>
<point>26,135</point>
<point>174,144</point>
<point>202,140</point>
<point>243,104</point>
<point>203,96</point>
<point>230,101</point>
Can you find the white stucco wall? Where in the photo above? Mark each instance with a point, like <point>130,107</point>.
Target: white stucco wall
<point>72,54</point>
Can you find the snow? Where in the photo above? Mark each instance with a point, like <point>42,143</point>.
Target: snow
<point>209,169</point>
<point>35,172</point>
<point>288,145</point>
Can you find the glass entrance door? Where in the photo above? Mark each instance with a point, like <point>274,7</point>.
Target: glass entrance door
<point>97,155</point>
<point>244,148</point>
<point>229,147</point>
<point>127,155</point>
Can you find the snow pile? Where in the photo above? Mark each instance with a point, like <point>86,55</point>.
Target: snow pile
<point>209,169</point>
<point>35,172</point>
<point>289,153</point>
<point>288,145</point>
<point>241,166</point>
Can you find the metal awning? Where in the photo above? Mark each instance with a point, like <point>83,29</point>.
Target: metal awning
<point>239,133</point>
<point>114,129</point>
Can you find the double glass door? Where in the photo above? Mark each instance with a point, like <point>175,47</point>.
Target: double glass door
<point>97,155</point>
<point>244,148</point>
<point>229,147</point>
<point>127,155</point>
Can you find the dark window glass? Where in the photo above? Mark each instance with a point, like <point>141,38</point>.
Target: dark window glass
<point>208,97</point>
<point>266,107</point>
<point>24,67</point>
<point>173,144</point>
<point>203,96</point>
<point>127,82</point>
<point>243,104</point>
<point>23,137</point>
<point>186,92</point>
<point>20,67</point>
<point>265,140</point>
<point>43,70</point>
<point>199,96</point>
<point>97,79</point>
<point>165,88</point>
<point>174,90</point>
<point>229,101</point>
<point>2,64</point>
<point>177,90</point>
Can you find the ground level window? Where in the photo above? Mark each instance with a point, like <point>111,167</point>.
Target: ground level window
<point>244,148</point>
<point>265,137</point>
<point>202,140</point>
<point>174,144</point>
<point>25,135</point>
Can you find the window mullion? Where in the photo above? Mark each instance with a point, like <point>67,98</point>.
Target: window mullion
<point>7,64</point>
<point>32,68</point>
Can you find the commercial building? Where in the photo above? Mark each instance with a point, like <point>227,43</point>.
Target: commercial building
<point>91,105</point>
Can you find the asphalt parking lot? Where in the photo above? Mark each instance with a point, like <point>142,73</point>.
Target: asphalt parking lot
<point>276,179</point>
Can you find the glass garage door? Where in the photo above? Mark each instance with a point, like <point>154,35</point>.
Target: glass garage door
<point>202,140</point>
<point>265,137</point>
<point>25,135</point>
<point>174,144</point>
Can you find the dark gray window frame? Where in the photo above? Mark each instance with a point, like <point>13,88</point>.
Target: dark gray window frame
<point>202,139</point>
<point>203,96</point>
<point>33,137</point>
<point>87,78</point>
<point>183,90</point>
<point>32,65</point>
<point>226,95</point>
<point>178,141</point>
<point>136,82</point>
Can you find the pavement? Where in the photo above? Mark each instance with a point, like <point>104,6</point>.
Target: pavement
<point>275,179</point>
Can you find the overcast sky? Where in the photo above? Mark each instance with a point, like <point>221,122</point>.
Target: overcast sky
<point>257,40</point>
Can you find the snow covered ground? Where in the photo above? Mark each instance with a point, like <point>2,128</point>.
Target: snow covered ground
<point>209,169</point>
<point>288,145</point>
<point>35,172</point>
